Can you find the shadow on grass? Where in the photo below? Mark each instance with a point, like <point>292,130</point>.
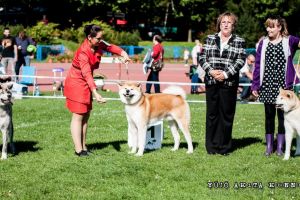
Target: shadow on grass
<point>239,143</point>
<point>22,146</point>
<point>102,145</point>
<point>182,145</point>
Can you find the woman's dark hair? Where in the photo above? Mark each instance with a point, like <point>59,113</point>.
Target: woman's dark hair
<point>92,30</point>
<point>157,38</point>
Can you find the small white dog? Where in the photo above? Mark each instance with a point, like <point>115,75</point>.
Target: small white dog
<point>290,104</point>
<point>144,109</point>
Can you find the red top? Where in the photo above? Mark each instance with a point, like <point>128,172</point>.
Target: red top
<point>158,52</point>
<point>79,81</point>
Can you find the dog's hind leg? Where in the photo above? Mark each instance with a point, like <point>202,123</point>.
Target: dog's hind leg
<point>176,136</point>
<point>4,145</point>
<point>288,140</point>
<point>184,127</point>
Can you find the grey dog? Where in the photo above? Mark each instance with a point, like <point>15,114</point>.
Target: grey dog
<point>6,124</point>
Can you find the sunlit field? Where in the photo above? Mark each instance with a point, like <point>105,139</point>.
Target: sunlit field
<point>46,167</point>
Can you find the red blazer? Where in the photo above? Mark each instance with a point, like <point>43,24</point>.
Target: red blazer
<point>79,81</point>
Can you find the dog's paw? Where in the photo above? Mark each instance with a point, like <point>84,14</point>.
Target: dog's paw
<point>174,149</point>
<point>4,157</point>
<point>189,152</point>
<point>133,151</point>
<point>138,154</point>
<point>285,158</point>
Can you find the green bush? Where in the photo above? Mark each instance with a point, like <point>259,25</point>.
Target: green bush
<point>108,32</point>
<point>14,30</point>
<point>69,34</point>
<point>44,34</point>
<point>110,35</point>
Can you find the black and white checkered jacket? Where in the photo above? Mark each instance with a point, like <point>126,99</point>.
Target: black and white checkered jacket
<point>231,61</point>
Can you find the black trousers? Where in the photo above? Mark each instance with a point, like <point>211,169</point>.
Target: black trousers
<point>220,111</point>
<point>153,76</point>
<point>270,113</point>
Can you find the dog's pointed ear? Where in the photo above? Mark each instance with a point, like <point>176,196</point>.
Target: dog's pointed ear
<point>138,84</point>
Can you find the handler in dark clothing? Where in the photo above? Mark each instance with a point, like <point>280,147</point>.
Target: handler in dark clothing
<point>223,56</point>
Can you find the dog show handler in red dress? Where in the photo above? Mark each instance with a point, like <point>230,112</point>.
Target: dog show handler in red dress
<point>80,86</point>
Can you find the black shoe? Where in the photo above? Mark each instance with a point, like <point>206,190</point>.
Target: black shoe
<point>88,151</point>
<point>81,153</point>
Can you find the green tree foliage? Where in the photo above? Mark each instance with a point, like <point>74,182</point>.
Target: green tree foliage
<point>44,34</point>
<point>110,35</point>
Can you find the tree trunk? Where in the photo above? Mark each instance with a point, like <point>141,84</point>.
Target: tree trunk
<point>190,35</point>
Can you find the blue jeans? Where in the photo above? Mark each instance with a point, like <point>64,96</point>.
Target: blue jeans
<point>195,79</point>
<point>246,89</point>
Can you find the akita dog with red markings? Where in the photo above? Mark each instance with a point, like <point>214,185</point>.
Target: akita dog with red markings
<point>144,109</point>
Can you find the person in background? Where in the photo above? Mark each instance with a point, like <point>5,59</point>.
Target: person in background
<point>222,58</point>
<point>273,70</point>
<point>246,76</point>
<point>80,85</point>
<point>157,53</point>
<point>186,55</point>
<point>24,57</point>
<point>9,52</point>
<point>196,52</point>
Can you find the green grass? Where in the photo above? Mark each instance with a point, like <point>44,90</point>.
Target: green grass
<point>46,167</point>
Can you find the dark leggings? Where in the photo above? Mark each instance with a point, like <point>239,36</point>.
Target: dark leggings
<point>270,112</point>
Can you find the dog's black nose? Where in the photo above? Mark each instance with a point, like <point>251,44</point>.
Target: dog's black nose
<point>127,91</point>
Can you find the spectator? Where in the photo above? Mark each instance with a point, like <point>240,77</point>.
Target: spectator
<point>223,56</point>
<point>197,76</point>
<point>186,55</point>
<point>45,20</point>
<point>273,70</point>
<point>22,42</point>
<point>196,52</point>
<point>9,52</point>
<point>157,54</point>
<point>246,76</point>
<point>80,85</point>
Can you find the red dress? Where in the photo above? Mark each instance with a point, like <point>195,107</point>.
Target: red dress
<point>79,81</point>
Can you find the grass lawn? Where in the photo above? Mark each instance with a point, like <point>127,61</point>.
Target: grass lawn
<point>46,167</point>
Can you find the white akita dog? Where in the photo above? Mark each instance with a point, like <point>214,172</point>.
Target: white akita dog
<point>290,104</point>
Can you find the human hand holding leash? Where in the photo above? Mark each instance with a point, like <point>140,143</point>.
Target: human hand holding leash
<point>125,58</point>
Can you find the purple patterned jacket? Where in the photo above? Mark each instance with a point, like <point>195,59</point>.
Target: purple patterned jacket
<point>290,45</point>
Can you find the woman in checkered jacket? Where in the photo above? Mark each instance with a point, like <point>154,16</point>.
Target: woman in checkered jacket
<point>222,57</point>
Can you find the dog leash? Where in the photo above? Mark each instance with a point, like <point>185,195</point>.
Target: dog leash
<point>121,59</point>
